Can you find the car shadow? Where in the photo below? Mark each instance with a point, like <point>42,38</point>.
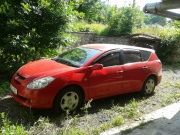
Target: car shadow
<point>108,103</point>
<point>17,113</point>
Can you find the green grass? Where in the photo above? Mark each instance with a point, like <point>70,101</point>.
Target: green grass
<point>156,30</point>
<point>131,110</point>
<point>170,98</point>
<point>97,28</point>
<point>117,121</point>
<point>153,30</point>
<point>11,129</point>
<point>174,84</point>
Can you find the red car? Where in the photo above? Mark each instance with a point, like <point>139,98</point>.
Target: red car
<point>87,72</point>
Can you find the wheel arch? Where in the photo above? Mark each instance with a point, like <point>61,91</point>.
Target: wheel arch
<point>72,85</point>
<point>144,86</point>
<point>151,75</point>
<point>154,76</point>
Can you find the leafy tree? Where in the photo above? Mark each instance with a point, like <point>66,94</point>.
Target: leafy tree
<point>94,10</point>
<point>30,29</point>
<point>152,19</point>
<point>123,20</point>
<point>176,24</point>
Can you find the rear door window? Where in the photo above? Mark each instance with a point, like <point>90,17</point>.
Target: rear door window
<point>131,56</point>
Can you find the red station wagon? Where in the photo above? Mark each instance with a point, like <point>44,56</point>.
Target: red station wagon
<point>87,72</point>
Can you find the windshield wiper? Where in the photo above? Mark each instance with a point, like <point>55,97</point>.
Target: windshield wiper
<point>63,61</point>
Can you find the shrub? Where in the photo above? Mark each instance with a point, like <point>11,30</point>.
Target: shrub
<point>170,37</point>
<point>31,29</point>
<point>124,20</point>
<point>9,129</point>
<point>93,27</point>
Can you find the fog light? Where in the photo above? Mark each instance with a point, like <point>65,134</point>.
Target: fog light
<point>30,101</point>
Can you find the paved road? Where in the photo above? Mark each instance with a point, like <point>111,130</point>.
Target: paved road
<point>165,121</point>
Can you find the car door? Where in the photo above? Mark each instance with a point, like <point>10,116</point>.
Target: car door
<point>135,70</point>
<point>107,81</point>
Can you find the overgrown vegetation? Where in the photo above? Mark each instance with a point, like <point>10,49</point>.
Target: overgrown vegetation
<point>4,87</point>
<point>10,129</point>
<point>167,49</point>
<point>124,20</point>
<point>96,28</point>
<point>32,29</point>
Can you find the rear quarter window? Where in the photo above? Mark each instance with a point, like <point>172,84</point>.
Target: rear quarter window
<point>145,55</point>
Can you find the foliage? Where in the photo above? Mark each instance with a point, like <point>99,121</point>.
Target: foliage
<point>176,24</point>
<point>149,29</point>
<point>31,29</point>
<point>96,28</point>
<point>152,19</point>
<point>94,10</point>
<point>123,20</point>
<point>167,49</point>
<point>9,129</point>
<point>131,109</point>
<point>4,87</point>
<point>170,37</point>
<point>117,121</point>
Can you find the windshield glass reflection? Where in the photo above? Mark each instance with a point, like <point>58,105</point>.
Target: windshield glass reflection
<point>76,57</point>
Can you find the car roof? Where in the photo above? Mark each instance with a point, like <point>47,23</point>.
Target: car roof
<point>106,47</point>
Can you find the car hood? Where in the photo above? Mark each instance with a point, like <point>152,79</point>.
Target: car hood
<point>40,67</point>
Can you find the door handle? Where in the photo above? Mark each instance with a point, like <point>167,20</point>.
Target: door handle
<point>119,71</point>
<point>145,67</point>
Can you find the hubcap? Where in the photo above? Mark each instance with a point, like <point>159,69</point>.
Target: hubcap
<point>149,87</point>
<point>69,101</point>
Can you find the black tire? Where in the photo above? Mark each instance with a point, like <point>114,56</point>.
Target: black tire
<point>69,99</point>
<point>148,86</point>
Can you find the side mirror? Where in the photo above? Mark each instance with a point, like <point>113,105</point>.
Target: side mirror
<point>97,67</point>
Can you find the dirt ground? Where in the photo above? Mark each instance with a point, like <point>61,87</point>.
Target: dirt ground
<point>98,112</point>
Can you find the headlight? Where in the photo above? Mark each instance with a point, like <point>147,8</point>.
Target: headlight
<point>40,83</point>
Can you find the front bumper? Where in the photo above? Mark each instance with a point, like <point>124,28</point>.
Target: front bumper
<point>31,103</point>
<point>42,98</point>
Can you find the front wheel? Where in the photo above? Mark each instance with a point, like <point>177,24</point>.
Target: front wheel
<point>69,99</point>
<point>149,86</point>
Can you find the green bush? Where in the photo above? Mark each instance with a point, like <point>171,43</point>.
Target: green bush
<point>124,20</point>
<point>167,49</point>
<point>4,87</point>
<point>9,129</point>
<point>31,29</point>
<point>96,28</point>
<point>170,37</point>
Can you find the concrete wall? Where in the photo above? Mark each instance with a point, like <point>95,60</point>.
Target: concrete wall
<point>89,38</point>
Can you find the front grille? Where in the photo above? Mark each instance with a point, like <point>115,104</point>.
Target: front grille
<point>19,77</point>
<point>17,81</point>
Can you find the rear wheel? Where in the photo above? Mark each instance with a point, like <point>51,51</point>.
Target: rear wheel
<point>149,86</point>
<point>69,99</point>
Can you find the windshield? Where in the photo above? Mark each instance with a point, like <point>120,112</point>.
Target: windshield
<point>76,57</point>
